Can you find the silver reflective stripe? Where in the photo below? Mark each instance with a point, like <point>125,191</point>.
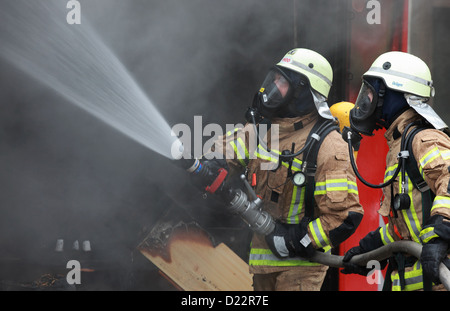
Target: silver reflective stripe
<point>305,241</point>
<point>385,236</point>
<point>318,233</point>
<point>240,149</point>
<point>280,245</point>
<point>434,153</point>
<point>408,281</point>
<point>352,186</point>
<point>313,71</point>
<point>402,75</point>
<point>296,165</point>
<point>427,235</point>
<point>410,215</point>
<point>296,205</point>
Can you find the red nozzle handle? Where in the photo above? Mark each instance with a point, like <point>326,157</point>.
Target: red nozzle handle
<point>218,181</point>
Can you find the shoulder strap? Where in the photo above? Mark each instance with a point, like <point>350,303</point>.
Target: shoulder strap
<point>414,174</point>
<point>411,163</point>
<point>318,133</point>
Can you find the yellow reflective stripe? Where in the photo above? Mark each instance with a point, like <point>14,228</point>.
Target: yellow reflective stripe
<point>410,214</point>
<point>318,233</point>
<point>298,197</point>
<point>341,184</point>
<point>413,279</point>
<point>296,165</point>
<point>229,133</point>
<point>441,201</point>
<point>265,257</point>
<point>386,238</point>
<point>389,172</point>
<point>427,158</point>
<point>427,234</point>
<point>445,154</point>
<point>320,188</point>
<point>263,154</point>
<point>240,150</point>
<point>352,187</point>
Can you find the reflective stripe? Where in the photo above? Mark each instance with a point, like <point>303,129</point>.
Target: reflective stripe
<point>389,172</point>
<point>265,257</point>
<point>296,165</point>
<point>313,71</point>
<point>430,156</point>
<point>441,201</point>
<point>386,238</point>
<point>445,154</point>
<point>229,133</point>
<point>410,215</point>
<point>402,75</point>
<point>263,154</point>
<point>427,234</point>
<point>318,233</point>
<point>240,150</point>
<point>352,187</point>
<point>298,197</point>
<point>298,194</point>
<point>413,279</point>
<point>341,184</point>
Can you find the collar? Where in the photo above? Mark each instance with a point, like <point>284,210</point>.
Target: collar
<point>398,126</point>
<point>294,124</point>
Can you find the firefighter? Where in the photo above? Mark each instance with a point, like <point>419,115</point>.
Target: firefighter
<point>395,94</point>
<point>315,207</point>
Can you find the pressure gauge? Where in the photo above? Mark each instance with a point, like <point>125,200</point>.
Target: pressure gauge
<point>402,201</point>
<point>299,179</point>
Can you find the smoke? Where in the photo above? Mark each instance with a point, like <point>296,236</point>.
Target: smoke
<point>67,175</point>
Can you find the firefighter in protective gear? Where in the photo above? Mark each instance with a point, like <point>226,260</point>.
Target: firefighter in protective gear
<point>394,95</point>
<point>292,102</point>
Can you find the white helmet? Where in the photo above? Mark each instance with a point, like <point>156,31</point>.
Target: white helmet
<point>401,72</point>
<point>299,82</point>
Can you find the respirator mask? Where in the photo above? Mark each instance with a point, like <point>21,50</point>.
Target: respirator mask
<point>365,117</point>
<point>284,94</point>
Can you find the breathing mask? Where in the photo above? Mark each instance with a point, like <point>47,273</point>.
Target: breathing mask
<point>284,94</point>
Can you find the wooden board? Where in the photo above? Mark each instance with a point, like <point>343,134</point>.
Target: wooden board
<point>191,261</point>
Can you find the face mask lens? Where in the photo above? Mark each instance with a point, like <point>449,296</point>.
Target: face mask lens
<point>282,84</point>
<point>362,116</point>
<point>365,99</point>
<point>274,93</point>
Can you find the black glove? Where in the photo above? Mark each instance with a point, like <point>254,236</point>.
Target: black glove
<point>433,253</point>
<point>435,237</point>
<point>370,242</point>
<point>290,240</point>
<point>277,240</point>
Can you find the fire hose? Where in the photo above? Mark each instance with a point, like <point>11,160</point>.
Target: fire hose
<point>384,252</point>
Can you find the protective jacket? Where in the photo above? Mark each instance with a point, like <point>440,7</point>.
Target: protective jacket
<point>431,149</point>
<point>337,211</point>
